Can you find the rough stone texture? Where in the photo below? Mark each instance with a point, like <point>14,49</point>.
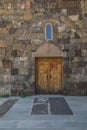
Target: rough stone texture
<point>5,88</point>
<point>22,34</point>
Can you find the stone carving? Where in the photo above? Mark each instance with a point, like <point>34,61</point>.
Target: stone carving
<point>55,76</point>
<point>43,75</point>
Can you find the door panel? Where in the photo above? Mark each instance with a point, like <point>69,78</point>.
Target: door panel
<point>48,75</point>
<point>43,71</point>
<point>55,77</point>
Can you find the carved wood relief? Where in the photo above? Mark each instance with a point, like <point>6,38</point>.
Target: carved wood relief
<point>48,75</point>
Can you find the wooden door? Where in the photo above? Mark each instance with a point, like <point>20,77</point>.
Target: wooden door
<point>48,75</point>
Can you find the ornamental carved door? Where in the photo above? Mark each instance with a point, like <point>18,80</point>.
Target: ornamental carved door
<point>49,75</point>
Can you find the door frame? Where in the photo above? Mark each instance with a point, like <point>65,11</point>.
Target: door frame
<point>36,72</point>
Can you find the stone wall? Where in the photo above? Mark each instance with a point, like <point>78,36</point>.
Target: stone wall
<point>22,32</point>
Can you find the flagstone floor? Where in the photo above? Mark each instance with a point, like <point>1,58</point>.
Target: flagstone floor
<point>20,116</point>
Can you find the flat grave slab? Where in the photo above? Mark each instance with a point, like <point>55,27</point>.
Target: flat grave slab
<point>51,106</point>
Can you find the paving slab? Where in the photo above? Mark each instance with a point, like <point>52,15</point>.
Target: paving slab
<point>6,106</point>
<point>8,124</point>
<point>19,117</point>
<point>2,100</point>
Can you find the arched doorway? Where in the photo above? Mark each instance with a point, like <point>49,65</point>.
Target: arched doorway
<point>49,69</point>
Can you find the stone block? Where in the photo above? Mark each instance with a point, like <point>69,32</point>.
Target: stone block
<point>0,64</point>
<point>21,64</point>
<point>1,70</point>
<point>23,40</point>
<point>23,59</point>
<point>3,44</point>
<point>17,59</point>
<point>23,71</point>
<point>8,51</point>
<point>76,70</point>
<point>19,47</point>
<point>4,30</point>
<point>3,23</point>
<point>12,30</point>
<point>78,53</point>
<point>85,59</point>
<point>16,64</point>
<point>81,17</point>
<point>81,63</point>
<point>14,78</point>
<point>27,15</point>
<point>6,78</point>
<point>26,64</point>
<point>14,53</point>
<point>67,70</point>
<point>36,29</point>
<point>76,36</point>
<point>16,89</point>
<point>34,47</point>
<point>14,71</point>
<point>74,10</point>
<point>5,88</point>
<point>63,12</point>
<point>66,47</point>
<point>2,53</point>
<point>17,78</point>
<point>74,17</point>
<point>6,71</point>
<point>28,89</point>
<point>83,46</point>
<point>36,41</point>
<point>61,29</point>
<point>84,52</point>
<point>85,25</point>
<point>6,64</point>
<point>75,89</point>
<point>1,78</point>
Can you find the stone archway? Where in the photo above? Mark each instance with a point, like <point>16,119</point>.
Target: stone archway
<point>53,55</point>
<point>49,50</point>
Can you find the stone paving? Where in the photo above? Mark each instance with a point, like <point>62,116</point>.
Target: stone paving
<point>19,116</point>
<point>51,106</point>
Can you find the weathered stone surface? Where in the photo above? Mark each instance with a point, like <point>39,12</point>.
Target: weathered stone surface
<point>0,64</point>
<point>5,88</point>
<point>6,78</point>
<point>4,30</point>
<point>12,30</point>
<point>6,63</point>
<point>3,44</point>
<point>3,23</point>
<point>18,47</point>
<point>17,78</point>
<point>14,71</point>
<point>16,89</point>
<point>16,64</point>
<point>23,38</point>
<point>23,59</point>
<point>14,53</point>
<point>23,71</point>
<point>6,71</point>
<point>76,89</point>
<point>2,53</point>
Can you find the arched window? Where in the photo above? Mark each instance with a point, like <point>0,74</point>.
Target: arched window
<point>48,32</point>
